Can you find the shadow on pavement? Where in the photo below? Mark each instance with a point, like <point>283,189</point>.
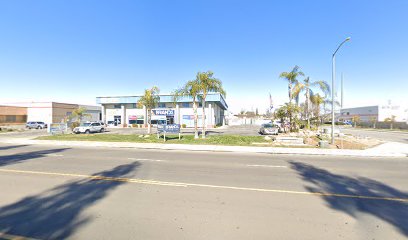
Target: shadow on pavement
<point>11,146</point>
<point>56,213</point>
<point>21,157</point>
<point>393,212</point>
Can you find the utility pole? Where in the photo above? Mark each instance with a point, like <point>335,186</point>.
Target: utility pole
<point>342,90</point>
<point>333,80</point>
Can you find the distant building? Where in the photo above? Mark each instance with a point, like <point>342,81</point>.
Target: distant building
<point>48,112</point>
<point>124,110</point>
<point>12,115</point>
<point>379,112</point>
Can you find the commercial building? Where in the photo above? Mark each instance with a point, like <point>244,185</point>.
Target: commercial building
<point>48,112</point>
<point>12,115</point>
<point>377,113</point>
<point>124,110</point>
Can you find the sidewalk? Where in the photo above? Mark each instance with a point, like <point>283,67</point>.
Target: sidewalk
<point>385,150</point>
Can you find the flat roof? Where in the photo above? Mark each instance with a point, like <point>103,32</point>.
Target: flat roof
<point>164,98</point>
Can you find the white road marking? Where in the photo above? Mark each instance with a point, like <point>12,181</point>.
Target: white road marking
<point>148,160</point>
<point>268,166</point>
<point>54,155</point>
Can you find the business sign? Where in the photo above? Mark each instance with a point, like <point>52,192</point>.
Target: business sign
<point>136,117</point>
<point>57,128</point>
<point>188,117</point>
<point>169,128</point>
<point>163,112</point>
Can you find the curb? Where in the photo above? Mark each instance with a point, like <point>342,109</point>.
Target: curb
<point>213,148</point>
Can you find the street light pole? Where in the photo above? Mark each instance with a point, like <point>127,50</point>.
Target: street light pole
<point>333,80</point>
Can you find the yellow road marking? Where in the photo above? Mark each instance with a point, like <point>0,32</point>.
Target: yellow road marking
<point>13,237</point>
<point>180,184</point>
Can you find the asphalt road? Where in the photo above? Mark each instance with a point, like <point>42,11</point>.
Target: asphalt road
<point>388,136</point>
<point>94,193</point>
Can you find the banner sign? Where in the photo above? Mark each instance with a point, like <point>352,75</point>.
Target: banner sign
<point>169,128</point>
<point>163,112</point>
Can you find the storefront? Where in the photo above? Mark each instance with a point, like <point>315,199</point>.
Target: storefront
<point>123,111</point>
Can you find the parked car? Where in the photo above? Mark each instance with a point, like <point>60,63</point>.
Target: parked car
<point>267,129</point>
<point>36,125</point>
<point>89,127</point>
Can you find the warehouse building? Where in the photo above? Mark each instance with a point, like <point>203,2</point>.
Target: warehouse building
<point>48,112</point>
<point>124,111</point>
<point>10,115</point>
<point>377,113</point>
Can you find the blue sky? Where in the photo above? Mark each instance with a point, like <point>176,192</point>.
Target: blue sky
<point>74,51</point>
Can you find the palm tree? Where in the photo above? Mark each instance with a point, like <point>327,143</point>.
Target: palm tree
<point>150,99</point>
<point>190,89</point>
<point>207,84</point>
<point>316,101</point>
<point>306,86</point>
<point>291,77</point>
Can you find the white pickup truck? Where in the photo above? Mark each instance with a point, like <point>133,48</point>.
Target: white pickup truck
<point>89,127</point>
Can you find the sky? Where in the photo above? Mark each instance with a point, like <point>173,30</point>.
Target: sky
<point>74,51</point>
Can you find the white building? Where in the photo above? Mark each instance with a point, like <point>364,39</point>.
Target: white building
<point>377,112</point>
<point>124,110</point>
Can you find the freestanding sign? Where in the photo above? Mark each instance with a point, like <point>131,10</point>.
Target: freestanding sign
<point>57,128</point>
<point>168,128</point>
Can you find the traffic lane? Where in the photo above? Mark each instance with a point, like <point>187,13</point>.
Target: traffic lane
<point>78,208</point>
<point>386,136</point>
<point>242,170</point>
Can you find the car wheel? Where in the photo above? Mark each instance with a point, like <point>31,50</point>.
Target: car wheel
<point>87,131</point>
<point>39,127</point>
<point>102,130</point>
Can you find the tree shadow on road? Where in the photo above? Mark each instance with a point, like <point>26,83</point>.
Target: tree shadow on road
<point>393,212</point>
<point>56,213</point>
<point>11,146</point>
<point>21,157</point>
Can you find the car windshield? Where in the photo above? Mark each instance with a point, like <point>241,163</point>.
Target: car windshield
<point>84,124</point>
<point>268,125</point>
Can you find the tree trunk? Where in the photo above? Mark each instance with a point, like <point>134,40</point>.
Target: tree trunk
<point>203,117</point>
<point>290,92</point>
<point>149,122</point>
<point>307,108</point>
<point>195,120</point>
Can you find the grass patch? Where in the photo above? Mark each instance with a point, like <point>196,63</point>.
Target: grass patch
<point>233,140</point>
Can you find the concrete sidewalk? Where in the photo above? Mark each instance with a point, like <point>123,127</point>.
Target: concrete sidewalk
<point>384,150</point>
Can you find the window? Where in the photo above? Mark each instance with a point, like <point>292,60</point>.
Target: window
<point>200,104</point>
<point>133,105</point>
<point>185,104</point>
<point>162,105</point>
<point>10,118</point>
<point>117,106</point>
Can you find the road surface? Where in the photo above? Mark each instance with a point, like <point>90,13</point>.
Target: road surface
<point>94,193</point>
<point>384,135</point>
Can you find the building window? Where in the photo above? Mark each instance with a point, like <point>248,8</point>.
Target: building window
<point>133,105</point>
<point>162,105</point>
<point>200,104</point>
<point>185,105</point>
<point>116,106</point>
<point>348,113</point>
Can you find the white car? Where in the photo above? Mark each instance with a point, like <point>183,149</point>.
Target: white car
<point>89,127</point>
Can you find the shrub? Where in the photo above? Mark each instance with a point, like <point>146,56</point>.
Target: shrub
<point>183,125</point>
<point>74,125</point>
